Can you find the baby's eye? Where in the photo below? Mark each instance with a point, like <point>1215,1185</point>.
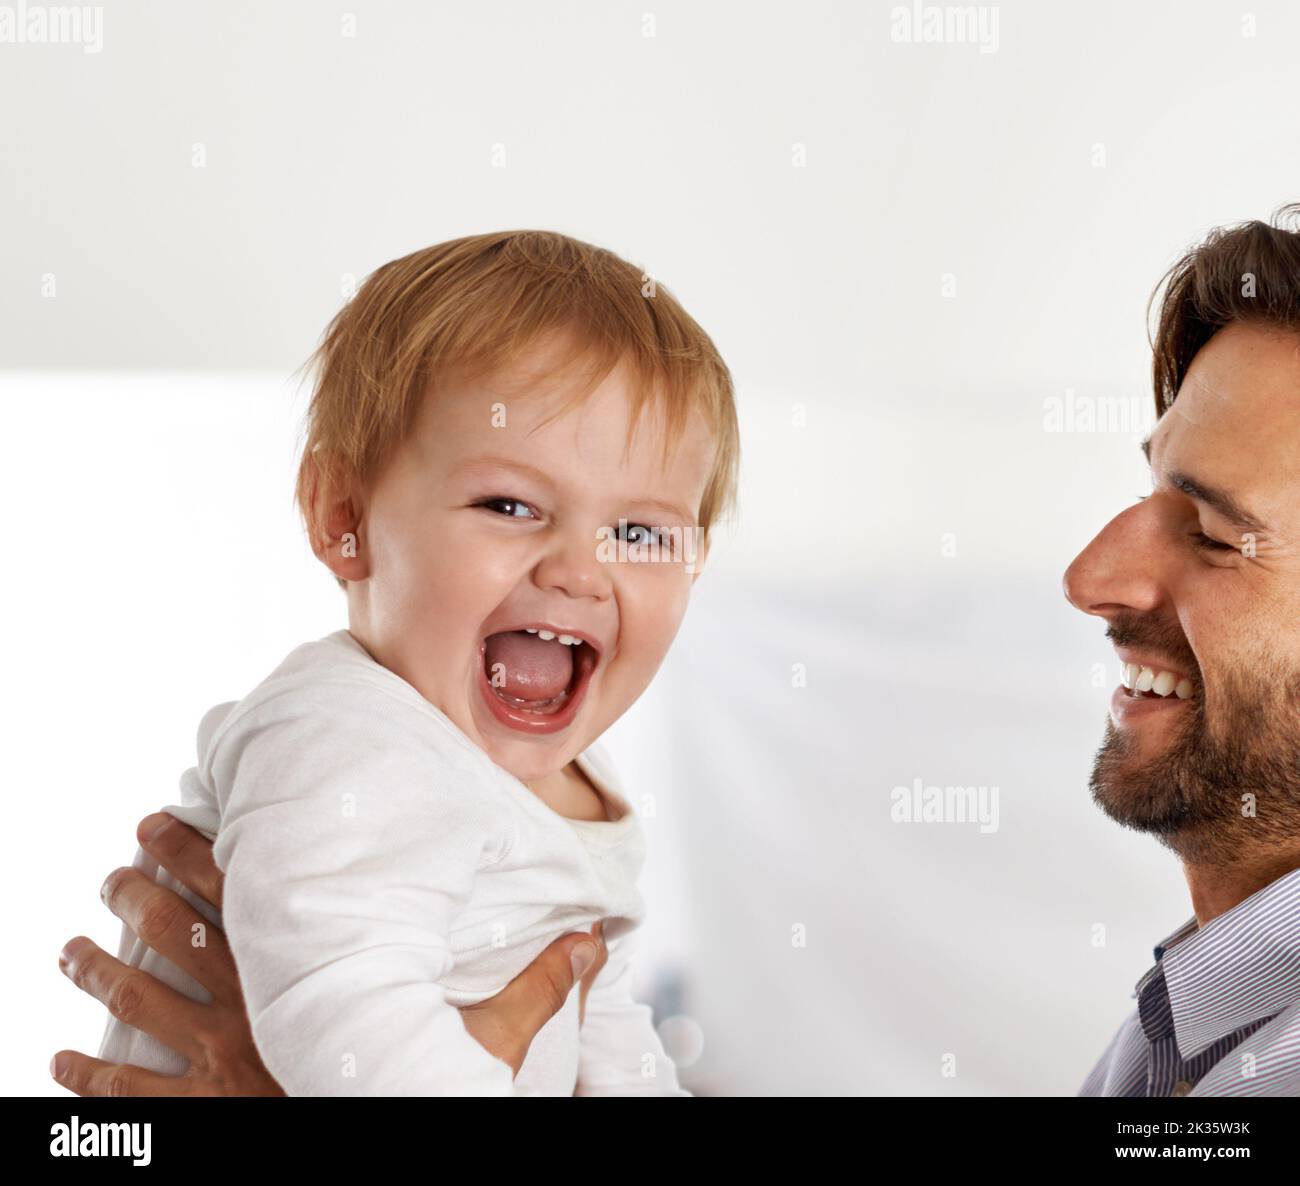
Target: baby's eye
<point>512,503</point>
<point>648,535</point>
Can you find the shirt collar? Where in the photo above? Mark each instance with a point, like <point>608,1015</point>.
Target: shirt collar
<point>1240,967</point>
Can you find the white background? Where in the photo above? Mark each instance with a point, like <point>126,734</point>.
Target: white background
<point>154,566</point>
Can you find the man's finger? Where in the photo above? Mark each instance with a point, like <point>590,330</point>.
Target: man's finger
<point>173,928</point>
<point>184,852</point>
<point>134,996</point>
<point>589,976</point>
<point>540,990</point>
<point>505,1024</point>
<point>83,1075</point>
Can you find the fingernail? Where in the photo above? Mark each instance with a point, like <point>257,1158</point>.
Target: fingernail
<point>106,887</point>
<point>152,825</point>
<point>67,955</point>
<point>582,957</point>
<point>56,1068</point>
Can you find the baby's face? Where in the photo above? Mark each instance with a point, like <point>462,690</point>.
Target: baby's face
<point>478,529</point>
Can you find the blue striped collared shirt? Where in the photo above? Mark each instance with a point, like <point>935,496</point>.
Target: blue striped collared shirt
<point>1219,1013</point>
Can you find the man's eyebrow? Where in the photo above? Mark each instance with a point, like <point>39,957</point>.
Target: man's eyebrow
<point>1213,497</point>
<point>532,471</point>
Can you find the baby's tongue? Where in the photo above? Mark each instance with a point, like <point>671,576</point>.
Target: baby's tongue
<point>531,668</point>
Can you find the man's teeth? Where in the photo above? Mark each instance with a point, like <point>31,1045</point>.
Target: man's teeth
<point>1163,684</point>
<point>1149,679</point>
<point>546,635</point>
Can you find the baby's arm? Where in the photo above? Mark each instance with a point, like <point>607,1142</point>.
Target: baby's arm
<point>619,1051</point>
<point>349,844</point>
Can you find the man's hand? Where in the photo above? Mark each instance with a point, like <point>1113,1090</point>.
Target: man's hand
<point>507,1023</point>
<point>215,1037</point>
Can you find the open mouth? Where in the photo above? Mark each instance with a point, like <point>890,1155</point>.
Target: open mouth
<point>535,677</point>
<point>1151,683</point>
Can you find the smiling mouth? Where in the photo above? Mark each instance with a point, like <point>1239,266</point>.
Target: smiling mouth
<point>522,668</point>
<point>1152,683</point>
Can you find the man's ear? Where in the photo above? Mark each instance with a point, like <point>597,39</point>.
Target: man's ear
<point>335,521</point>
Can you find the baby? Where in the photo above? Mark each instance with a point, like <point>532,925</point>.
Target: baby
<point>517,445</point>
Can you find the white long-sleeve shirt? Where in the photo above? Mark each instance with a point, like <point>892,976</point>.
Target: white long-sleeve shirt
<point>380,872</point>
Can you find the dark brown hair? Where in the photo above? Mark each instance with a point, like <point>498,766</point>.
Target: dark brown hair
<point>1247,272</point>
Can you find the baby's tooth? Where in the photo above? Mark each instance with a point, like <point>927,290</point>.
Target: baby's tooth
<point>530,629</point>
<point>568,640</point>
<point>1146,677</point>
<point>1163,684</point>
<point>1184,689</point>
<point>546,635</point>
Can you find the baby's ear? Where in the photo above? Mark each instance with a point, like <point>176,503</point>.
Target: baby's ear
<point>334,521</point>
<point>700,557</point>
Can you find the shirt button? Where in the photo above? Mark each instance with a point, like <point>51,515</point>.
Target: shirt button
<point>1182,1087</point>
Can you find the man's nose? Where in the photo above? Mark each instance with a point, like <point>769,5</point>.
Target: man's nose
<point>1119,569</point>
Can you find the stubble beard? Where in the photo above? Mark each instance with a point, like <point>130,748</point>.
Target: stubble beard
<point>1213,795</point>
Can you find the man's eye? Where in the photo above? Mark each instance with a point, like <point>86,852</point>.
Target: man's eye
<point>1210,544</point>
<point>511,503</point>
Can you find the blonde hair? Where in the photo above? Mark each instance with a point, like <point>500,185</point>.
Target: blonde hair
<point>476,304</point>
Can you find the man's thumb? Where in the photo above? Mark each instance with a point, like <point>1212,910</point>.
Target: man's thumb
<point>581,956</point>
<point>544,986</point>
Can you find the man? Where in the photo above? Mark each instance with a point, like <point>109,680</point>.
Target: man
<point>1199,584</point>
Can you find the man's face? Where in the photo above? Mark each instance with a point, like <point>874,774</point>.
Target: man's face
<point>486,521</point>
<point>1201,580</point>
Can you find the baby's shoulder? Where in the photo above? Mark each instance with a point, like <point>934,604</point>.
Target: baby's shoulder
<point>330,694</point>
<point>334,746</point>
